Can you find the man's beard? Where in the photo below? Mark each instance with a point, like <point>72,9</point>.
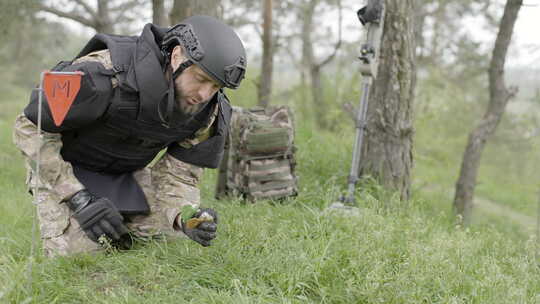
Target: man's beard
<point>186,108</point>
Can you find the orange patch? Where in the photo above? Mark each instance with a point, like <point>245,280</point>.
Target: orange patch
<point>61,90</point>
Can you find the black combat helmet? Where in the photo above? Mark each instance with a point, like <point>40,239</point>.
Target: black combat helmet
<point>210,44</point>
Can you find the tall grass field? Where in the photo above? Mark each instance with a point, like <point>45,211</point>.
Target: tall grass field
<point>295,251</point>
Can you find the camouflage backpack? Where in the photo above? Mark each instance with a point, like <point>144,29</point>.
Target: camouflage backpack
<point>259,156</point>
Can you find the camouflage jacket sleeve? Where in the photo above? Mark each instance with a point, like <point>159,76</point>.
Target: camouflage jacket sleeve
<point>203,133</point>
<point>176,181</point>
<point>176,185</point>
<point>56,175</point>
<point>103,57</point>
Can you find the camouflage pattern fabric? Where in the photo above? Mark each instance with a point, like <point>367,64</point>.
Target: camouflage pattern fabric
<point>262,133</point>
<point>168,185</point>
<point>56,176</point>
<point>202,134</point>
<point>103,57</point>
<point>259,162</point>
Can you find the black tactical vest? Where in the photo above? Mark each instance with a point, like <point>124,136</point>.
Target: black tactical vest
<point>116,130</point>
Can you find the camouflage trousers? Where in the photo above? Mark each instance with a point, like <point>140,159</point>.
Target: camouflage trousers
<point>62,236</point>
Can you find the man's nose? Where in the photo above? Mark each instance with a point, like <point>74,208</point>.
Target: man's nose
<point>206,91</point>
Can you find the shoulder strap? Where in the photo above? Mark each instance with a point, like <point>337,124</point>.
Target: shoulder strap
<point>121,48</point>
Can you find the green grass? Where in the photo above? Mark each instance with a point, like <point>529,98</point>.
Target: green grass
<point>288,252</point>
<point>509,171</point>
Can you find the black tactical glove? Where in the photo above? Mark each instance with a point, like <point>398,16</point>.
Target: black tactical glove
<point>202,226</point>
<point>97,216</point>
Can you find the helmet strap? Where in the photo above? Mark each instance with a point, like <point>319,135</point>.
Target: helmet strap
<point>184,65</point>
<point>166,121</point>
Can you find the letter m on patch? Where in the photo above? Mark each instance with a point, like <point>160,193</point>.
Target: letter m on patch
<point>61,87</point>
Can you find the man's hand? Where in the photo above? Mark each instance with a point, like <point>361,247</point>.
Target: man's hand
<point>201,227</point>
<point>97,216</point>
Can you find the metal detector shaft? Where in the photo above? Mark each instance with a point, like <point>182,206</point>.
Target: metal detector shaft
<point>361,116</point>
<point>372,17</point>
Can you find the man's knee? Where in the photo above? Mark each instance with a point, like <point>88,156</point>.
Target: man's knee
<point>72,241</point>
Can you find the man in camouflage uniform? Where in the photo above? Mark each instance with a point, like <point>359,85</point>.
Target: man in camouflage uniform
<point>180,75</point>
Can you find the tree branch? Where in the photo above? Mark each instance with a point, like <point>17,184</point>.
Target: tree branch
<point>350,110</point>
<point>338,44</point>
<point>126,6</point>
<point>240,21</point>
<point>88,8</point>
<point>257,29</point>
<point>69,15</point>
<point>295,61</point>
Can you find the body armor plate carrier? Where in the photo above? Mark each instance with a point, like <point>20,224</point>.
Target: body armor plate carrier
<point>119,130</point>
<point>116,130</point>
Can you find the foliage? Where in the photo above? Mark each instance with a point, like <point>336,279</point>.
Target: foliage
<point>294,251</point>
<point>34,45</point>
<point>282,252</point>
<point>445,113</point>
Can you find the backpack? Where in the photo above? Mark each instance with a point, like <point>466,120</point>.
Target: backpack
<point>259,162</point>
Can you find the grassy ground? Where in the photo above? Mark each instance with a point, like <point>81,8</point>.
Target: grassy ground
<point>290,252</point>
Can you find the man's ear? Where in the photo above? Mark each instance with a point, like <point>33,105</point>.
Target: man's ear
<point>177,57</point>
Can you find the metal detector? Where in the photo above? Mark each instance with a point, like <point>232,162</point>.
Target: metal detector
<point>372,18</point>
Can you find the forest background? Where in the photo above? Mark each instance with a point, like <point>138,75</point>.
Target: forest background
<point>294,252</point>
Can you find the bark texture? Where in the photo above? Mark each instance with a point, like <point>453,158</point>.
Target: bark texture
<point>499,95</point>
<point>185,8</point>
<point>387,150</point>
<point>265,87</point>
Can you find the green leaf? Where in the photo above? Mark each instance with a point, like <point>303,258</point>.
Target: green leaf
<point>188,212</point>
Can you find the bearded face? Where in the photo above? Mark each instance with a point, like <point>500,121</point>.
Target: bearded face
<point>193,87</point>
<point>187,105</point>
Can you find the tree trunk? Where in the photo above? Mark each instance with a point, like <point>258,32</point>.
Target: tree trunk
<point>308,58</point>
<point>103,20</point>
<point>159,17</point>
<point>185,8</point>
<point>310,65</point>
<point>317,92</point>
<point>499,96</point>
<point>387,152</point>
<point>265,87</point>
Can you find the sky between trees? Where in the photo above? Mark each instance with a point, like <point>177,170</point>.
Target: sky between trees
<point>524,50</point>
